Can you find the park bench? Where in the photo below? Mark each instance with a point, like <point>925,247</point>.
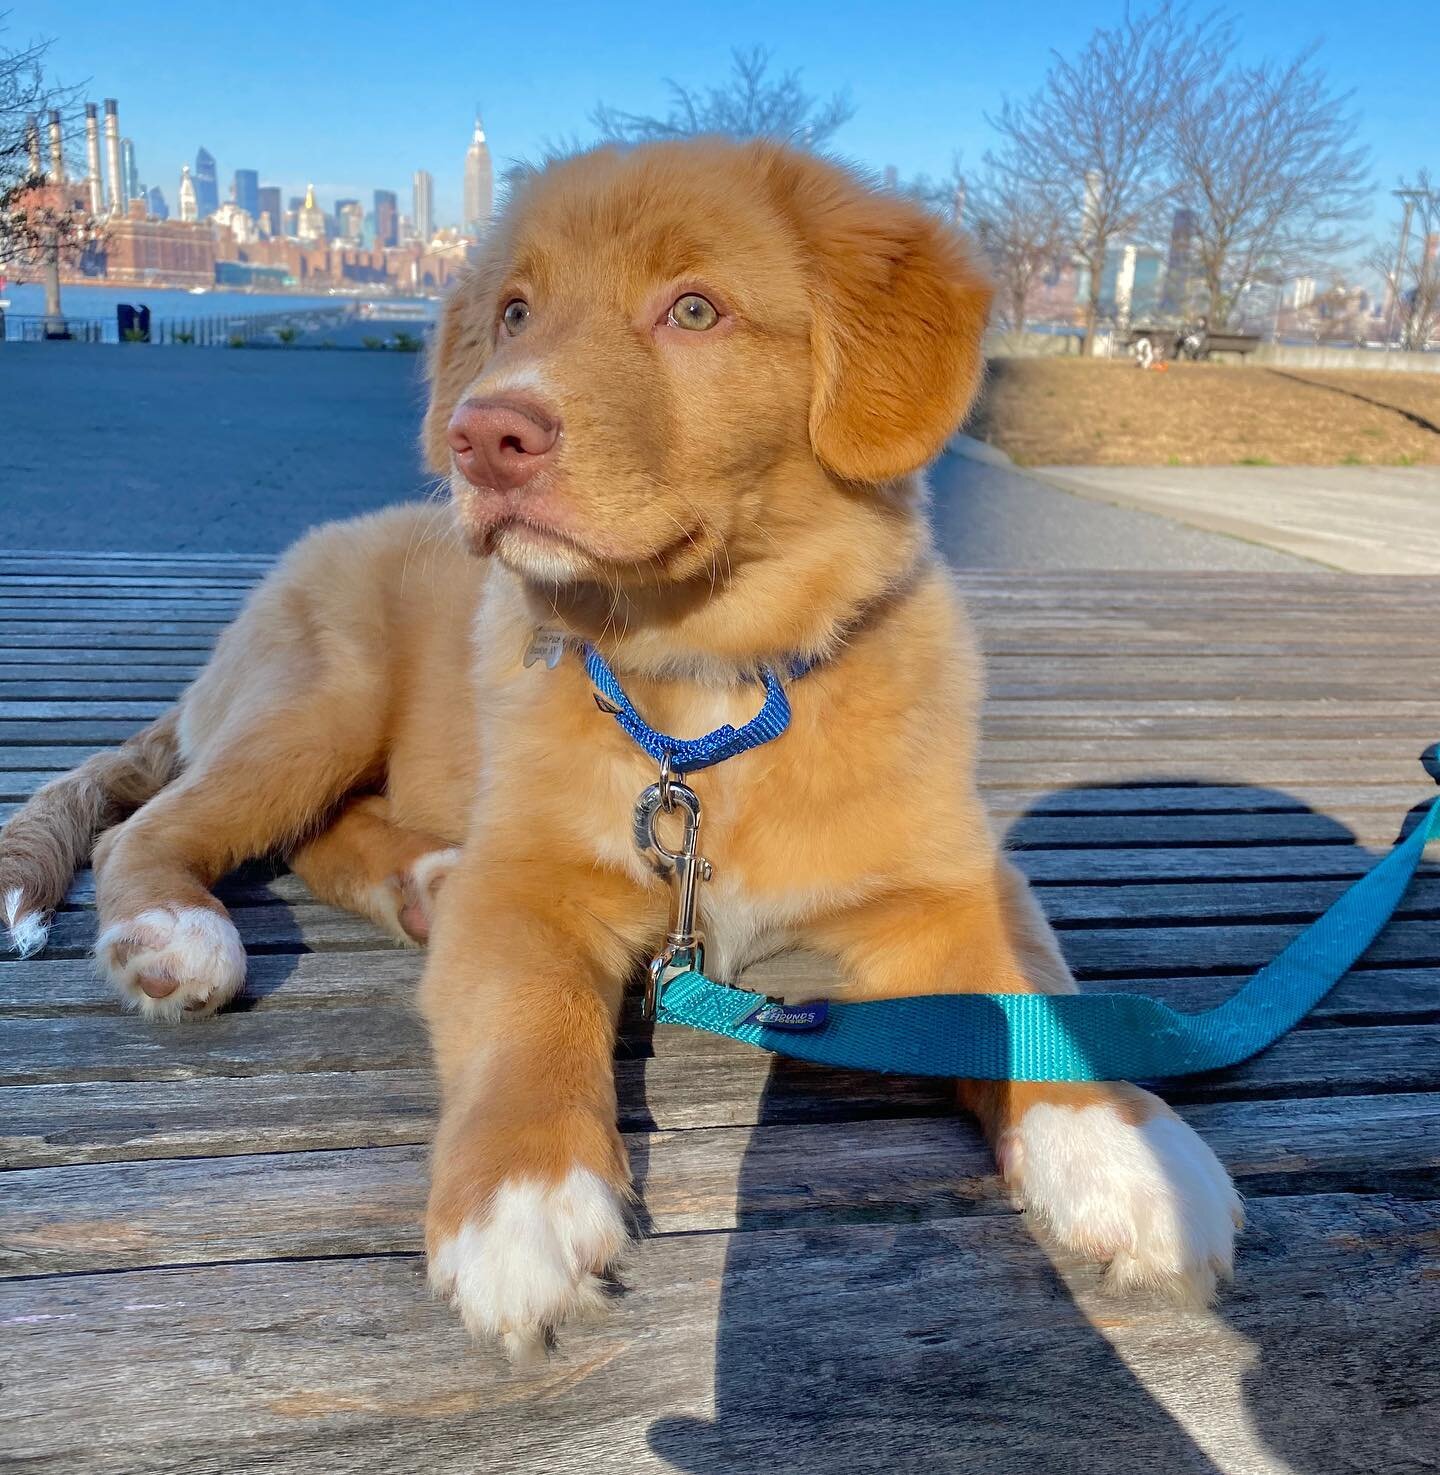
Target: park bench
<point>209,1233</point>
<point>1162,340</point>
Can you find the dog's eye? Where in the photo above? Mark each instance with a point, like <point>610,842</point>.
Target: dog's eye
<point>516,316</point>
<point>693,311</point>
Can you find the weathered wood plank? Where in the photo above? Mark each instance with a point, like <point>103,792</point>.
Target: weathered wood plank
<point>174,1211</point>
<point>1317,1360</point>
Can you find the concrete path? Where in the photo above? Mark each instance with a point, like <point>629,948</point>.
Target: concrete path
<point>174,450</point>
<point>1363,519</point>
<point>988,514</point>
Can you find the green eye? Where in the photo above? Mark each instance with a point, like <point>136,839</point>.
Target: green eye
<point>694,312</point>
<point>516,316</point>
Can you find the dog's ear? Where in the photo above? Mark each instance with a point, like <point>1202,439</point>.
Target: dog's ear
<point>898,311</point>
<point>458,350</point>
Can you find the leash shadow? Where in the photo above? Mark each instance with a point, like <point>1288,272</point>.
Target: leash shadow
<point>940,1335</point>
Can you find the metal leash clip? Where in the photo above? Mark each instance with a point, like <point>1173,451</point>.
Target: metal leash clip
<point>686,867</point>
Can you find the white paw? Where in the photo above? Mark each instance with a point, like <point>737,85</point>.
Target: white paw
<point>1151,1199</point>
<point>534,1261</point>
<point>28,930</point>
<point>172,963</point>
<point>419,887</point>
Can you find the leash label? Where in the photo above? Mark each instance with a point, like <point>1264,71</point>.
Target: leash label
<point>791,1016</point>
<point>545,645</point>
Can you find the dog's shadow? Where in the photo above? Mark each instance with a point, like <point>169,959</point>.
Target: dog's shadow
<point>956,1342</point>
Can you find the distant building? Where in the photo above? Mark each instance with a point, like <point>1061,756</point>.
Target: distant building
<point>171,252</point>
<point>207,184</point>
<point>189,205</point>
<point>1300,293</point>
<point>309,218</point>
<point>479,183</point>
<point>270,210</point>
<point>387,218</point>
<point>129,174</point>
<point>240,223</point>
<point>245,191</point>
<point>422,184</point>
<point>1130,287</point>
<point>350,221</point>
<point>155,204</point>
<point>1179,265</point>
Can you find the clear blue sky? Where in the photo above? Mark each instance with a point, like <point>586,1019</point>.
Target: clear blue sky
<point>358,95</point>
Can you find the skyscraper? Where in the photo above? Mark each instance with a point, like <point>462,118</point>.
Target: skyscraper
<point>387,218</point>
<point>479,182</point>
<point>350,220</point>
<point>270,214</point>
<point>189,208</point>
<point>310,218</point>
<point>155,204</point>
<point>129,174</point>
<point>245,191</point>
<point>207,184</point>
<point>1178,265</point>
<point>423,214</point>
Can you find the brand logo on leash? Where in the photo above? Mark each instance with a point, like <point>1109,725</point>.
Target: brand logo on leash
<point>791,1016</point>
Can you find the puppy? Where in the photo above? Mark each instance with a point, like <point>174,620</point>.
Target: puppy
<point>682,406</point>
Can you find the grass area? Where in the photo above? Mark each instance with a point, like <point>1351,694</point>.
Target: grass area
<point>1078,412</point>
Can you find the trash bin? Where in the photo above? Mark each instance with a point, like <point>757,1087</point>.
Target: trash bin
<point>133,323</point>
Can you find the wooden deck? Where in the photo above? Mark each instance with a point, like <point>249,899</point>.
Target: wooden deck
<point>209,1232</point>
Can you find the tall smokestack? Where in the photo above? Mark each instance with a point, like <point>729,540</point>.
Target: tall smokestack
<point>57,149</point>
<point>32,143</point>
<point>92,159</point>
<point>118,203</point>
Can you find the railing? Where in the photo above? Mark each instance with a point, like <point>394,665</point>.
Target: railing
<point>220,330</point>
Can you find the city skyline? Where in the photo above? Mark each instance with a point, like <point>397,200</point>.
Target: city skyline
<point>917,103</point>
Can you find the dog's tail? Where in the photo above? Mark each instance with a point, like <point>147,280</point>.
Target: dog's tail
<point>52,836</point>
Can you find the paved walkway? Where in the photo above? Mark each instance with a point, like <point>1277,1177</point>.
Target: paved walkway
<point>191,450</point>
<point>1362,519</point>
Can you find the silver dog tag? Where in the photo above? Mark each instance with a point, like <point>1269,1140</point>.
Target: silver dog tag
<point>545,645</point>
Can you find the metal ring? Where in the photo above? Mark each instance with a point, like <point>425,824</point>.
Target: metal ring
<point>667,775</point>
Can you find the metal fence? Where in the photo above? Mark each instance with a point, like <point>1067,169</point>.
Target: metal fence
<point>212,331</point>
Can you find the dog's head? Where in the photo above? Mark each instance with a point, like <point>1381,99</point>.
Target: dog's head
<point>674,359</point>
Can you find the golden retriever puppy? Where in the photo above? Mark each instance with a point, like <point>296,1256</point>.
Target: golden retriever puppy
<point>682,406</point>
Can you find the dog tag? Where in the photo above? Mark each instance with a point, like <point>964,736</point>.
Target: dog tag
<point>791,1016</point>
<point>545,645</point>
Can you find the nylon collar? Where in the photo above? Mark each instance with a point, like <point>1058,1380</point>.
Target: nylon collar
<point>689,755</point>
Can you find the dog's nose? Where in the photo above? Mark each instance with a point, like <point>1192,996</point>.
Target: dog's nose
<point>501,443</point>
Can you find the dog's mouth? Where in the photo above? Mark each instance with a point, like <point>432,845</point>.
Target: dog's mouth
<point>539,551</point>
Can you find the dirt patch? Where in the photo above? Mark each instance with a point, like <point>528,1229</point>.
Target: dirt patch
<point>1076,412</point>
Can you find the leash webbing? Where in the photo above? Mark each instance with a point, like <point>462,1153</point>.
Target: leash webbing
<point>1073,1037</point>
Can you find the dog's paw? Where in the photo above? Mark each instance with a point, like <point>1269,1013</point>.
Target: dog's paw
<point>169,964</point>
<point>419,886</point>
<point>1149,1198</point>
<point>533,1261</point>
<point>27,928</point>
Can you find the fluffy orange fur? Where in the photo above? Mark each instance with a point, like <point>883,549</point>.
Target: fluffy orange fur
<point>718,501</point>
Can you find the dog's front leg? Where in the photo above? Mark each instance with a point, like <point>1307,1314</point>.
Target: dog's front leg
<point>1105,1169</point>
<point>529,1180</point>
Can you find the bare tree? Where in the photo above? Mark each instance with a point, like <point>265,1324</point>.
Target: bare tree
<point>44,222</point>
<point>947,196</point>
<point>1021,230</point>
<point>1412,275</point>
<point>750,103</point>
<point>1094,137</point>
<point>1265,159</point>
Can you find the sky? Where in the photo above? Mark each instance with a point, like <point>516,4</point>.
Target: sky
<point>357,96</point>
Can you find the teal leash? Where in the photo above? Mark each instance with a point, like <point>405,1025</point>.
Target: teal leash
<point>1064,1037</point>
<point>989,1037</point>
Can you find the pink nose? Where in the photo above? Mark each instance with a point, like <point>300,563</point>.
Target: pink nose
<point>501,443</point>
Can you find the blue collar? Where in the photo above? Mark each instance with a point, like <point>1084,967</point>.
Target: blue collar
<point>687,755</point>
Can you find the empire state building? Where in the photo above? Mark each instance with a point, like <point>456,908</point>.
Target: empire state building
<point>479,183</point>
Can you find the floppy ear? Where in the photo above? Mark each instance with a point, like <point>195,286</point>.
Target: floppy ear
<point>898,313</point>
<point>458,351</point>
